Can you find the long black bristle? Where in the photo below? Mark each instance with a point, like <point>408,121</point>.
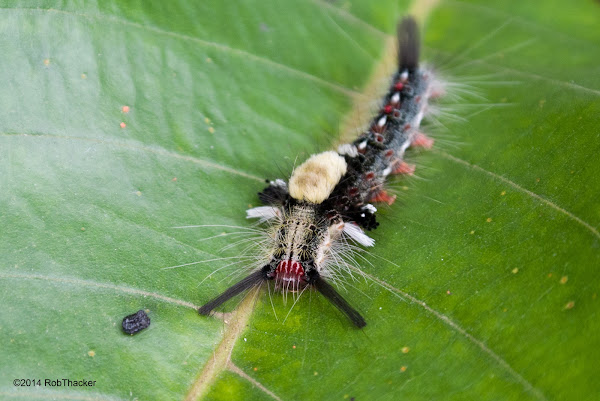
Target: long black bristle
<point>332,295</point>
<point>408,44</point>
<point>252,280</point>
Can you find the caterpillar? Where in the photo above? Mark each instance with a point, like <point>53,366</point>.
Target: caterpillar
<point>328,200</point>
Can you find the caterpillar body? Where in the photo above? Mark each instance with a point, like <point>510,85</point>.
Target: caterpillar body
<point>328,198</point>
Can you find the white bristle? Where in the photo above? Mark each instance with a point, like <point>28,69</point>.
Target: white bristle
<point>279,183</point>
<point>354,231</point>
<point>264,213</point>
<point>348,149</point>
<point>370,208</point>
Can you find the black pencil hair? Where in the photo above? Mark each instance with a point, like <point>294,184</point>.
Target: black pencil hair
<point>335,298</point>
<point>250,281</point>
<point>408,44</point>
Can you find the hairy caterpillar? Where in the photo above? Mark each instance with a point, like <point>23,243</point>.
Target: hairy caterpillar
<point>327,200</point>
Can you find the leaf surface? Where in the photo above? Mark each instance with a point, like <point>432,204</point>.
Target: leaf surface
<point>483,283</point>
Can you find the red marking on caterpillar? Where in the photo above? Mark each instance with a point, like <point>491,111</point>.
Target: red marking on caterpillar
<point>383,196</point>
<point>422,141</point>
<point>404,168</point>
<point>290,273</point>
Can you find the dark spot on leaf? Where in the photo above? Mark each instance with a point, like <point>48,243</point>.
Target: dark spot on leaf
<point>136,322</point>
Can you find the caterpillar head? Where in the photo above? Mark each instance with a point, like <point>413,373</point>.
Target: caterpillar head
<point>299,241</point>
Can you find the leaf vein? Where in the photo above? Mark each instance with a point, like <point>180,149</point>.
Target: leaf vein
<point>547,202</point>
<point>521,20</point>
<point>206,43</point>
<point>350,17</point>
<point>480,344</point>
<point>236,324</point>
<point>144,148</point>
<point>232,367</point>
<point>95,284</point>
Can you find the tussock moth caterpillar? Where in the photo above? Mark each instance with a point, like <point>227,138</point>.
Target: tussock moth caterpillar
<point>327,201</point>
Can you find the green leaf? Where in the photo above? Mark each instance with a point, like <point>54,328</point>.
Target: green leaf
<point>483,283</point>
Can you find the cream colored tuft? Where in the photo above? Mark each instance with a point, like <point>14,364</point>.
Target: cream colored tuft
<point>315,179</point>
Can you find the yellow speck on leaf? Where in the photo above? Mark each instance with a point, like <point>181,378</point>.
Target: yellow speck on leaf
<point>46,62</point>
<point>92,353</point>
<point>502,193</point>
<point>405,350</point>
<point>489,220</point>
<point>472,232</point>
<point>211,130</point>
<point>570,305</point>
<point>515,270</point>
<point>564,279</point>
<point>403,369</point>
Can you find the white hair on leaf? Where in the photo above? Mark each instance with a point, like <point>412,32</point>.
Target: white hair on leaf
<point>279,183</point>
<point>348,149</point>
<point>353,231</point>
<point>264,213</point>
<point>370,208</point>
<point>315,179</point>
